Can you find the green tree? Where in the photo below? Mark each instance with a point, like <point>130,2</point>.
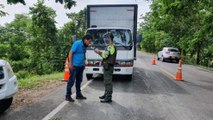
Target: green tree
<point>14,41</point>
<point>76,26</point>
<point>183,24</point>
<point>79,22</point>
<point>2,13</point>
<point>65,36</point>
<point>44,38</point>
<point>67,3</point>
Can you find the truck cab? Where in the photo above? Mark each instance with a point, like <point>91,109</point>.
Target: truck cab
<point>8,85</point>
<point>125,51</point>
<point>119,20</point>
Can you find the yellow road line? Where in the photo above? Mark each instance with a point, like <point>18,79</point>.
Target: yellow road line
<point>168,73</point>
<point>163,70</point>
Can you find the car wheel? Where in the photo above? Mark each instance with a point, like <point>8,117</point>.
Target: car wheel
<point>158,58</point>
<point>177,61</point>
<point>89,76</point>
<point>5,104</point>
<point>163,60</point>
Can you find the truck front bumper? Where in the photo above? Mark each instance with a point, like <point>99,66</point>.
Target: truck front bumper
<point>117,70</point>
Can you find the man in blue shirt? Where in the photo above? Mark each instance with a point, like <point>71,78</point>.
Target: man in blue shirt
<point>76,67</point>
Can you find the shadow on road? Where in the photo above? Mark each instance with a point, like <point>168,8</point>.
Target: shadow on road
<point>94,110</point>
<point>143,82</point>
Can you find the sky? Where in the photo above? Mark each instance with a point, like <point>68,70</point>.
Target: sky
<point>143,7</point>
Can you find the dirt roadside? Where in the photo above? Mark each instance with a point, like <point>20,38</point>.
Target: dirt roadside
<point>27,96</point>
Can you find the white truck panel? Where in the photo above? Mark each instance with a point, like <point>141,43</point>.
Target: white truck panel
<point>121,17</point>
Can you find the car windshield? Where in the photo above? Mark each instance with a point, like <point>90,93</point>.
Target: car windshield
<point>173,50</point>
<point>1,73</point>
<point>122,38</point>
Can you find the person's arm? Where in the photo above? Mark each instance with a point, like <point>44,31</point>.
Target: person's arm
<point>104,54</point>
<point>70,59</point>
<point>71,53</point>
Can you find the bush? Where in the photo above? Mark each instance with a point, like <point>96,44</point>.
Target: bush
<point>22,74</point>
<point>188,60</point>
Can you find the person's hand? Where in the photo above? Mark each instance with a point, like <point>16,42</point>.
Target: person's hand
<point>97,50</point>
<point>71,66</point>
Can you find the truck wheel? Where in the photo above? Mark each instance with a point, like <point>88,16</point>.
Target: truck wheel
<point>89,76</point>
<point>5,104</point>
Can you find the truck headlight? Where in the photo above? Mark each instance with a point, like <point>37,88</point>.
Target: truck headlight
<point>90,63</point>
<point>124,63</point>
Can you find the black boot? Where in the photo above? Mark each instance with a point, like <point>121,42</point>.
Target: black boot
<point>103,96</point>
<point>81,97</point>
<point>107,99</point>
<point>68,98</point>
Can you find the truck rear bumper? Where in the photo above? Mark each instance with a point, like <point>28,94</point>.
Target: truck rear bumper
<point>117,70</point>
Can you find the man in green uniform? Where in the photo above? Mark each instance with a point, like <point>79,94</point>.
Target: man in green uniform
<point>109,57</point>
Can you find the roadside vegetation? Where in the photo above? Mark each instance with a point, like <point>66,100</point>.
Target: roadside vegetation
<point>38,80</point>
<point>35,48</point>
<point>185,24</point>
<point>57,118</point>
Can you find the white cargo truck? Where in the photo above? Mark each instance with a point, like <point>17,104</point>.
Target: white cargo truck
<point>119,20</point>
<point>8,85</point>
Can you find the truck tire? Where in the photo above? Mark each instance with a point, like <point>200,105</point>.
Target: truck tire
<point>89,76</point>
<point>5,104</point>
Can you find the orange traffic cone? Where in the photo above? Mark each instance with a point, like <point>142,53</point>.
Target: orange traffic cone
<point>179,74</point>
<point>66,70</point>
<point>180,63</point>
<point>153,61</point>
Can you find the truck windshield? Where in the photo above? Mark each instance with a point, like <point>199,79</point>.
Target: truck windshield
<point>122,38</point>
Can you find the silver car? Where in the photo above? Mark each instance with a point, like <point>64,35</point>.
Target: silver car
<point>169,53</point>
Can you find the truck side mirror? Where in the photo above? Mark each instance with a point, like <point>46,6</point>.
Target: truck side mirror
<point>139,38</point>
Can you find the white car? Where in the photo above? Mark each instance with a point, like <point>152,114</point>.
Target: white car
<point>169,53</point>
<point>8,85</point>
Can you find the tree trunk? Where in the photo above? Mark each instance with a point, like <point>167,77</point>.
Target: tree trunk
<point>198,52</point>
<point>198,56</point>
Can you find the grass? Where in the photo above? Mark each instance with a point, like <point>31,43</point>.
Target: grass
<point>57,118</point>
<point>34,81</point>
<point>204,67</point>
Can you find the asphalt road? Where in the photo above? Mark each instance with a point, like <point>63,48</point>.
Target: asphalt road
<point>152,94</point>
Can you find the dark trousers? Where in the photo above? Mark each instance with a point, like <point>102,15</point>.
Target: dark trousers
<point>108,80</point>
<point>76,76</point>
